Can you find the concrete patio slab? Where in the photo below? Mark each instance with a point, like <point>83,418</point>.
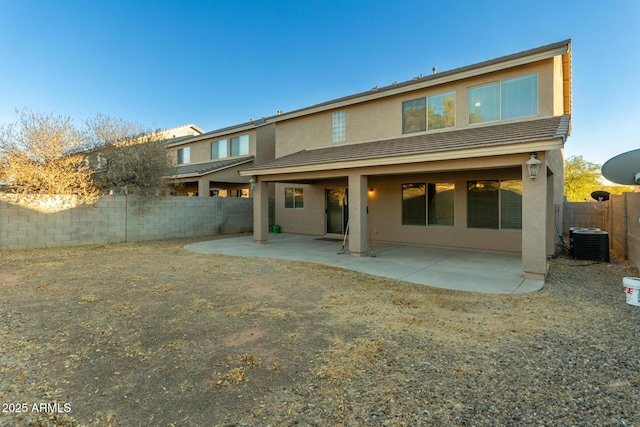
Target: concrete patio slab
<point>457,269</point>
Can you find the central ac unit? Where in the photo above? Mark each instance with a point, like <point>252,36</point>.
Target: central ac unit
<point>591,245</point>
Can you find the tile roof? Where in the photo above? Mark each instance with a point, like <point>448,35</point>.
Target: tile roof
<point>200,169</point>
<point>430,142</point>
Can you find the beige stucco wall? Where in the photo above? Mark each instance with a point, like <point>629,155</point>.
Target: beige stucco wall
<point>558,85</point>
<point>385,213</point>
<point>264,146</point>
<point>261,145</point>
<point>382,119</point>
<point>554,160</point>
<point>201,149</point>
<point>386,203</point>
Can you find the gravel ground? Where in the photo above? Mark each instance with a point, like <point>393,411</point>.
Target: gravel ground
<point>570,357</point>
<point>150,334</point>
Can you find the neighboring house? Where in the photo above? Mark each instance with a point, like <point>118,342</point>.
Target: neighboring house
<point>118,162</point>
<point>180,131</point>
<point>440,160</point>
<point>208,164</point>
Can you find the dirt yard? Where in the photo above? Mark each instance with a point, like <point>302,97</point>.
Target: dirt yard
<point>153,335</point>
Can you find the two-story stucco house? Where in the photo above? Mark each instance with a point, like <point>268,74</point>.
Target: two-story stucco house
<point>446,160</point>
<point>208,163</point>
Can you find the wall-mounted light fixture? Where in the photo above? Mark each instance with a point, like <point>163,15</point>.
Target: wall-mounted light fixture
<point>371,191</point>
<point>533,164</point>
<point>252,182</point>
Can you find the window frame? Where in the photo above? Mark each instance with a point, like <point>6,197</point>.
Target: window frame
<point>433,208</point>
<point>422,211</point>
<point>414,210</point>
<point>339,126</point>
<point>221,143</point>
<point>406,107</point>
<point>501,100</point>
<point>181,158</point>
<point>243,141</point>
<point>519,92</point>
<point>294,200</point>
<point>500,213</point>
<point>444,95</point>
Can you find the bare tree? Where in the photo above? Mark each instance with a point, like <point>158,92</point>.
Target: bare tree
<point>127,157</point>
<point>49,154</point>
<point>43,154</point>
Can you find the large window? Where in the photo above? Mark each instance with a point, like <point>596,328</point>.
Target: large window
<point>240,145</point>
<point>484,103</point>
<point>442,111</point>
<point>494,204</point>
<point>184,155</point>
<point>414,116</point>
<point>339,126</point>
<point>440,203</point>
<point>293,198</point>
<point>520,97</point>
<point>237,146</point>
<point>219,149</point>
<point>511,205</point>
<point>508,99</point>
<point>430,204</point>
<point>433,112</point>
<point>414,204</point>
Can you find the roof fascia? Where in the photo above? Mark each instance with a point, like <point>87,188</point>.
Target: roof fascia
<point>518,148</point>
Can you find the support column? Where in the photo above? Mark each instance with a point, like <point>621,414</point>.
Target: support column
<point>203,187</point>
<point>261,212</point>
<point>534,223</point>
<point>358,237</point>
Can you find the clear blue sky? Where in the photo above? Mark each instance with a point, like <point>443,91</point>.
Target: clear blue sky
<point>219,63</point>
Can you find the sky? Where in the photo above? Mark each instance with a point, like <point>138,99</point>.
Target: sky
<point>215,64</point>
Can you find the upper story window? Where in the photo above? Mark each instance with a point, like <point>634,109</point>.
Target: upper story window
<point>520,97</point>
<point>219,149</point>
<point>339,126</point>
<point>184,155</point>
<point>414,116</point>
<point>236,146</point>
<point>442,111</point>
<point>433,112</point>
<point>240,145</point>
<point>508,99</point>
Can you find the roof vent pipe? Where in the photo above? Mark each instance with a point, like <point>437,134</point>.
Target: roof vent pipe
<point>434,69</point>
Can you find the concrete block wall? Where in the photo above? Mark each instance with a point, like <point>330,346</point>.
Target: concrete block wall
<point>116,219</point>
<point>583,214</point>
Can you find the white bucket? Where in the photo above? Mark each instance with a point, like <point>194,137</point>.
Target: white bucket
<point>632,289</point>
